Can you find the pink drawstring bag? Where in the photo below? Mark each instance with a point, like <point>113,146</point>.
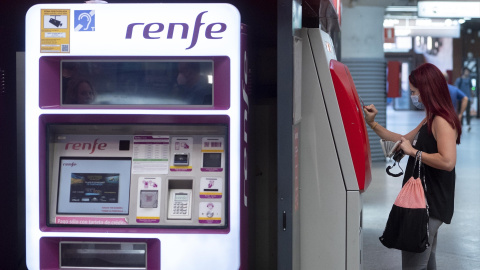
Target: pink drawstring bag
<point>411,195</point>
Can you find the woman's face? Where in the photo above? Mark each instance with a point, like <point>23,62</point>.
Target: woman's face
<point>85,94</point>
<point>415,92</point>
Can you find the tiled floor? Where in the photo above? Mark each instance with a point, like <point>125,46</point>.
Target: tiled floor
<point>459,242</point>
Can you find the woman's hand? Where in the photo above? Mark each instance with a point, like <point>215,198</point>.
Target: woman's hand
<point>407,147</point>
<point>370,113</point>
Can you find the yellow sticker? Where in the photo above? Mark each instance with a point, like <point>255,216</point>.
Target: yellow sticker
<point>55,31</point>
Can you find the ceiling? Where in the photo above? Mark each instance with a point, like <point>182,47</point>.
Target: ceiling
<point>386,3</point>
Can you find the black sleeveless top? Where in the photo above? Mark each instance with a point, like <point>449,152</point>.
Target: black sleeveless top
<point>440,184</point>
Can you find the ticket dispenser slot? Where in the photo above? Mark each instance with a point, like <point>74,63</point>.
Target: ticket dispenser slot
<point>103,255</point>
<point>180,199</point>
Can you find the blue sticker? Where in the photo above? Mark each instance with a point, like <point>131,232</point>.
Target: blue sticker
<point>84,20</point>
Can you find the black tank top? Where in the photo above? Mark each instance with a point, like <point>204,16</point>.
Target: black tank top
<point>440,184</point>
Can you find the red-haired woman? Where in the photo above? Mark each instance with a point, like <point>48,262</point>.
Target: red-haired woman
<point>80,91</point>
<point>436,136</point>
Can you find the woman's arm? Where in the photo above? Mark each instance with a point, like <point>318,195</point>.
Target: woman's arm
<point>371,112</point>
<point>446,137</point>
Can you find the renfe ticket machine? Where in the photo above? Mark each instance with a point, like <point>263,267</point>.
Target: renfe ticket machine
<point>334,159</point>
<point>136,137</point>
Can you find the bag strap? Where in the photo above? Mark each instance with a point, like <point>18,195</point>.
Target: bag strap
<point>418,160</point>
<point>418,157</point>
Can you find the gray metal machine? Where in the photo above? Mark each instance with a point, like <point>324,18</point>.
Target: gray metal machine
<point>334,160</point>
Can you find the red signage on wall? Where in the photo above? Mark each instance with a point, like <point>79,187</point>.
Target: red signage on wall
<point>393,78</point>
<point>389,35</point>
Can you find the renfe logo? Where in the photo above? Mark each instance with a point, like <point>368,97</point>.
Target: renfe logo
<point>86,146</point>
<point>152,30</point>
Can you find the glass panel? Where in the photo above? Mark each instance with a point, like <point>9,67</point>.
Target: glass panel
<point>137,82</point>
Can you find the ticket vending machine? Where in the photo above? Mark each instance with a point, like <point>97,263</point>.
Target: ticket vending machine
<point>335,163</point>
<point>136,137</point>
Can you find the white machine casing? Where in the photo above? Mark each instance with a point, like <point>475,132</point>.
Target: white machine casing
<point>187,249</point>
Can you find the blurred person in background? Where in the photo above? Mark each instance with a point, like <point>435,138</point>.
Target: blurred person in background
<point>464,83</point>
<point>458,97</point>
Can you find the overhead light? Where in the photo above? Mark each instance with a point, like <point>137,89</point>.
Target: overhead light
<point>437,32</point>
<point>423,22</point>
<point>403,32</point>
<point>401,9</point>
<point>390,22</point>
<point>449,9</point>
<point>424,27</point>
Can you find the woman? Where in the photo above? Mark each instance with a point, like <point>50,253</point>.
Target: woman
<point>436,136</point>
<point>80,91</point>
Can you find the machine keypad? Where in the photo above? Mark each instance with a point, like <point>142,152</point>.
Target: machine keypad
<point>180,208</point>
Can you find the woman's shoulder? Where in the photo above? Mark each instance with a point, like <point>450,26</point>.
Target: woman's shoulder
<point>439,121</point>
<point>441,126</point>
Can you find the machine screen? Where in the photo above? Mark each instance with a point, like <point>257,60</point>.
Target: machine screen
<point>94,186</point>
<point>181,197</point>
<point>104,82</point>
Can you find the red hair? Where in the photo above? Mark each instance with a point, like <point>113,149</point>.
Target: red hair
<point>431,84</point>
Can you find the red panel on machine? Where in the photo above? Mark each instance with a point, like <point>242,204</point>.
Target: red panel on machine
<point>352,115</point>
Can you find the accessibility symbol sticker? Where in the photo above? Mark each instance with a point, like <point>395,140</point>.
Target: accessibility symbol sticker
<point>84,20</point>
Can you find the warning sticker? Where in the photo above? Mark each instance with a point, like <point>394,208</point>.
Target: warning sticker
<point>55,31</point>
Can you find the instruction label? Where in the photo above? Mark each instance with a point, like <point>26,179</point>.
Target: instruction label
<point>55,31</point>
<point>150,154</point>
